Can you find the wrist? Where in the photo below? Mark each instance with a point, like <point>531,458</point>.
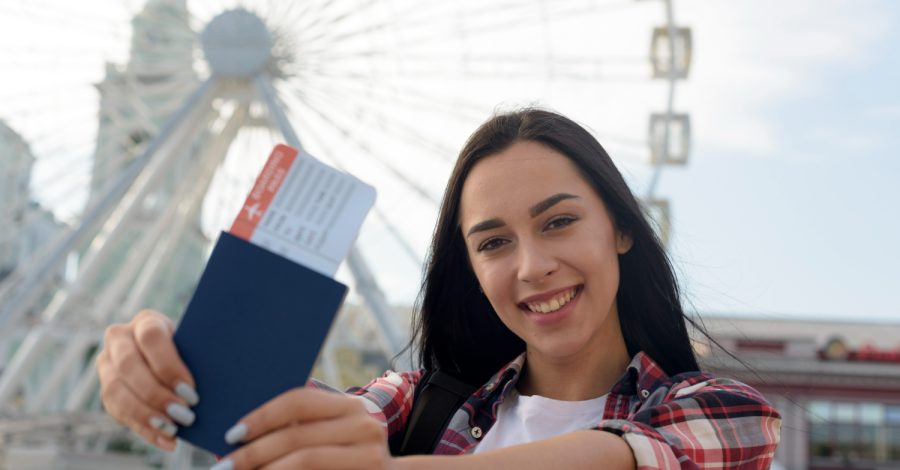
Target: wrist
<point>429,462</point>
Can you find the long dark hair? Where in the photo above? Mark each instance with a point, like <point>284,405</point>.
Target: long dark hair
<point>455,329</point>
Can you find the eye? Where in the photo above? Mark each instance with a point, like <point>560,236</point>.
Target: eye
<point>559,222</point>
<point>491,244</point>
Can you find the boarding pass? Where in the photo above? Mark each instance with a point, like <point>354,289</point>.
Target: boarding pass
<point>304,210</point>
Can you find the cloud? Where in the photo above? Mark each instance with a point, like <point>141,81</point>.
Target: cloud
<point>753,55</point>
<point>883,111</point>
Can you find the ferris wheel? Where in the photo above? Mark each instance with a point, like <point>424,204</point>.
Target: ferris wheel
<point>145,124</point>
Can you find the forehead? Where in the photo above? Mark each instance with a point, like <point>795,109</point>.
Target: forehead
<point>516,178</point>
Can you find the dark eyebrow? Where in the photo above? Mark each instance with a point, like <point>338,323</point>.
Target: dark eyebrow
<point>486,225</point>
<point>535,211</point>
<point>550,202</point>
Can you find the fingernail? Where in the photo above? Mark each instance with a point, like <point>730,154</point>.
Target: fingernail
<point>163,425</point>
<point>187,392</point>
<point>223,465</point>
<point>236,433</point>
<point>180,413</point>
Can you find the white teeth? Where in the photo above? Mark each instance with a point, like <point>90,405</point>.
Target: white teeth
<point>554,304</point>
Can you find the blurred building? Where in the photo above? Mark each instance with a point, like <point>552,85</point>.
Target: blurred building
<point>836,384</point>
<point>26,226</point>
<point>15,172</point>
<point>136,99</point>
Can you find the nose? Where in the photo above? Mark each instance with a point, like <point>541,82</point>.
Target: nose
<point>535,262</point>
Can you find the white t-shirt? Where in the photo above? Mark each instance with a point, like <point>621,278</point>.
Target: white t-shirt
<point>523,419</point>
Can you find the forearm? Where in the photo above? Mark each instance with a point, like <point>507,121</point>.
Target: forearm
<point>576,450</point>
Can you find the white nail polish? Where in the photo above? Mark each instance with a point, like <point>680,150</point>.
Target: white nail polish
<point>187,392</point>
<point>223,465</point>
<point>163,425</point>
<point>169,429</point>
<point>156,422</point>
<point>236,433</point>
<point>180,413</point>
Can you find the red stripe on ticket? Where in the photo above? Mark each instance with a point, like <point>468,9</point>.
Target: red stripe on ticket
<point>267,184</point>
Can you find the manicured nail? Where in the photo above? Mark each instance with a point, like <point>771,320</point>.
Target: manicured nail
<point>236,433</point>
<point>223,465</point>
<point>180,413</point>
<point>163,425</point>
<point>188,393</point>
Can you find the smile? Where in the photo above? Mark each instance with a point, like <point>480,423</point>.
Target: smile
<point>557,302</point>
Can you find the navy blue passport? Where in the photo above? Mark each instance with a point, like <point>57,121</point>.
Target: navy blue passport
<point>252,330</point>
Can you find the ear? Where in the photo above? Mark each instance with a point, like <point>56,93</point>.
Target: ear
<point>624,242</point>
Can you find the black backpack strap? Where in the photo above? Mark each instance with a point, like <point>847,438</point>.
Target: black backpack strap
<point>436,399</point>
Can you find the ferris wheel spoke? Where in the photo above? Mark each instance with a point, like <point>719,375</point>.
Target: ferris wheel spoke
<point>273,11</point>
<point>342,131</point>
<point>570,67</point>
<point>50,17</point>
<point>396,25</point>
<point>408,97</point>
<point>345,133</point>
<point>75,68</point>
<point>327,25</point>
<point>487,66</point>
<point>387,53</point>
<point>390,124</point>
<point>506,21</point>
<point>311,22</point>
<point>75,52</point>
<point>398,236</point>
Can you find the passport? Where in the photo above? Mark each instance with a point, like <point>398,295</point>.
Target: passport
<point>267,298</point>
<point>252,330</point>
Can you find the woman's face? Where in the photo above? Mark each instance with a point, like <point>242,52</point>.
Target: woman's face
<point>545,251</point>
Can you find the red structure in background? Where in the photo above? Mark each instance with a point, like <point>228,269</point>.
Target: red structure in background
<point>836,384</point>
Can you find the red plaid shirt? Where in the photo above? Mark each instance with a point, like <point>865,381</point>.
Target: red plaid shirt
<point>691,420</point>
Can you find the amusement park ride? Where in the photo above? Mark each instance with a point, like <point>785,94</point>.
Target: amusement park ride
<point>164,136</point>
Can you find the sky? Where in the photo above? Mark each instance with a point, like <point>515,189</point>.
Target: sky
<point>787,208</point>
<point>789,204</point>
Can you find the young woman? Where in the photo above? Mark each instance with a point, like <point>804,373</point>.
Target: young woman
<point>546,284</point>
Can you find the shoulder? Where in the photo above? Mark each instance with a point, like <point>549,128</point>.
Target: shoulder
<point>701,388</point>
<point>701,395</point>
<point>695,418</point>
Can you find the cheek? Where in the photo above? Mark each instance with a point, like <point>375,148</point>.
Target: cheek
<point>607,272</point>
<point>602,262</point>
<point>494,280</point>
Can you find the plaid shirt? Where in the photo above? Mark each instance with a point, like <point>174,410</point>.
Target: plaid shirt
<point>691,420</point>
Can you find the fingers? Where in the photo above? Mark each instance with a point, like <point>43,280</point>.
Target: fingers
<point>124,406</point>
<point>296,405</point>
<point>144,383</point>
<point>348,432</point>
<point>153,335</point>
<point>130,366</point>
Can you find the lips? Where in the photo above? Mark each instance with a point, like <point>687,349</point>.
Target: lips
<point>551,302</point>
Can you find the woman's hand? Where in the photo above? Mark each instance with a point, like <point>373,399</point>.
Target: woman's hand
<point>309,428</point>
<point>143,382</point>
